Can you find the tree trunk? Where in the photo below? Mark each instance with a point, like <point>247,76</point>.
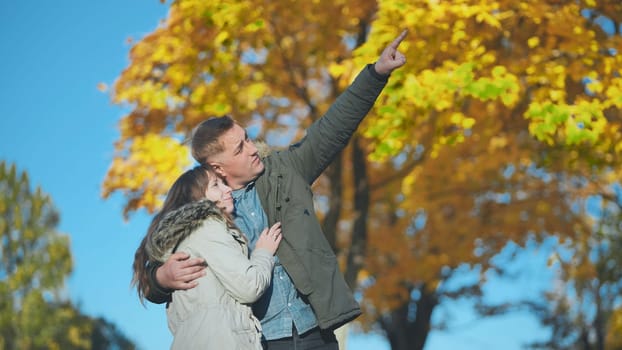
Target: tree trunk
<point>408,329</point>
<point>599,325</point>
<point>356,254</point>
<point>331,219</point>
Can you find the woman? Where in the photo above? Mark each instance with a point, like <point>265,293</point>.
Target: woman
<point>196,218</point>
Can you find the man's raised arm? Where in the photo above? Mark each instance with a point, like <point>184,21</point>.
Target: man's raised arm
<point>326,137</point>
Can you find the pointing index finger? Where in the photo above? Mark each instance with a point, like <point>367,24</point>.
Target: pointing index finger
<point>395,43</point>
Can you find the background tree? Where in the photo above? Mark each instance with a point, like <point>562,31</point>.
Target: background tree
<point>506,114</point>
<point>35,261</point>
<point>584,308</point>
<point>614,331</point>
<point>518,163</point>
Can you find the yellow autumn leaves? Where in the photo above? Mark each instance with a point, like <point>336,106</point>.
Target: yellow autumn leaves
<point>153,160</point>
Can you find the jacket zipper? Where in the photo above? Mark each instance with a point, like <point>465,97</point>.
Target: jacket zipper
<point>279,180</point>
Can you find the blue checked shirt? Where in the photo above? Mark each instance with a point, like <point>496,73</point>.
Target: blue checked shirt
<point>280,305</point>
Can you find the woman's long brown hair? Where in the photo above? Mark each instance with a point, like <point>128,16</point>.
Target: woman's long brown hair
<point>188,188</point>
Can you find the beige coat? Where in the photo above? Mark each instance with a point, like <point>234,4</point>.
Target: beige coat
<point>217,313</point>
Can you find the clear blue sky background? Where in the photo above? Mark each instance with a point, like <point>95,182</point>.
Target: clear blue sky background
<point>58,127</point>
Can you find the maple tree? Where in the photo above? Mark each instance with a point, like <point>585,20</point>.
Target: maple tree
<point>523,148</point>
<point>506,116</point>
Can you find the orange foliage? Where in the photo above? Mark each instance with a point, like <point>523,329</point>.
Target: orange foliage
<point>506,112</point>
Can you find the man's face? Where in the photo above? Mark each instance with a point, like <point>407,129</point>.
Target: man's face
<point>239,162</point>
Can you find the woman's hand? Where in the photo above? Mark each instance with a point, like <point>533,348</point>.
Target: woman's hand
<point>270,238</point>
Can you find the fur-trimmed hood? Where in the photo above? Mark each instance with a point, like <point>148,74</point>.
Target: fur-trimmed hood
<point>178,224</point>
<point>263,149</point>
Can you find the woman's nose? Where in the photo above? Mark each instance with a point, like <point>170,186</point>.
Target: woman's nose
<point>225,188</point>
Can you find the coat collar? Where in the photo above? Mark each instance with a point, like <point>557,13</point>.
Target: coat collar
<point>178,224</point>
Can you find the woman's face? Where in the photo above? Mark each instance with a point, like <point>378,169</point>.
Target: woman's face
<point>217,191</point>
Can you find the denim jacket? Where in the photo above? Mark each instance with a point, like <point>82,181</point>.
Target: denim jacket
<point>281,305</point>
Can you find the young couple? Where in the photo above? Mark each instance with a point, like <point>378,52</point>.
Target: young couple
<point>195,256</point>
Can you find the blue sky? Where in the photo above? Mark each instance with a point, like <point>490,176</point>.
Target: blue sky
<point>58,127</point>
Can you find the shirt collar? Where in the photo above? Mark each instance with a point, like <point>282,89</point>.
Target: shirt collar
<point>240,192</point>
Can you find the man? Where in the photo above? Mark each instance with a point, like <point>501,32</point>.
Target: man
<point>309,297</point>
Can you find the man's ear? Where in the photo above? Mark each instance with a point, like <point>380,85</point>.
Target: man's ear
<point>217,168</point>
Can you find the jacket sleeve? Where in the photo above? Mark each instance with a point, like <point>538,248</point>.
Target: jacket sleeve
<point>156,294</point>
<point>244,279</point>
<point>330,134</point>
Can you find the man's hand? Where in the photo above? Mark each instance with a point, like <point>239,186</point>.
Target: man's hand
<point>391,59</point>
<point>180,272</point>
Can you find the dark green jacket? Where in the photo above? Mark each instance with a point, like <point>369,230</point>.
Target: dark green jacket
<point>285,192</point>
<point>286,196</point>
